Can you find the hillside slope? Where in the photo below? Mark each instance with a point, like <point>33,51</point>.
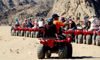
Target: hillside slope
<point>78,9</point>
<point>21,9</point>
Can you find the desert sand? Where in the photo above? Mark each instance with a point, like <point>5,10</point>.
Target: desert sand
<point>25,48</point>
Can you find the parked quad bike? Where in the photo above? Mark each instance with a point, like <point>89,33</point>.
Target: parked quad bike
<point>78,36</point>
<point>49,46</point>
<point>87,37</point>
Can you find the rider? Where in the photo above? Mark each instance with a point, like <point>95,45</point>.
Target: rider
<point>72,25</point>
<point>25,24</point>
<point>58,26</point>
<point>41,23</point>
<point>17,24</point>
<point>30,23</point>
<point>87,23</point>
<point>63,19</point>
<point>36,23</point>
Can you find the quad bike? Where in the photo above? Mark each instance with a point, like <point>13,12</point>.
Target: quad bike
<point>62,47</point>
<point>12,32</point>
<point>96,38</point>
<point>39,33</point>
<point>21,31</point>
<point>16,31</point>
<point>34,33</point>
<point>26,32</point>
<point>78,36</point>
<point>87,37</point>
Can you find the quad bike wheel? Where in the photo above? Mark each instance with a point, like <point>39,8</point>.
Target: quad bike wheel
<point>12,33</point>
<point>84,39</point>
<point>17,33</point>
<point>88,39</point>
<point>41,51</point>
<point>27,33</point>
<point>80,39</point>
<point>37,34</point>
<point>94,39</point>
<point>98,40</point>
<point>22,33</point>
<point>48,54</point>
<point>32,34</point>
<point>76,39</point>
<point>65,52</point>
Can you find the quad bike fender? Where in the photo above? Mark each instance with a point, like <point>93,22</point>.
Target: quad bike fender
<point>49,42</point>
<point>99,33</point>
<point>77,32</point>
<point>85,32</point>
<point>43,42</point>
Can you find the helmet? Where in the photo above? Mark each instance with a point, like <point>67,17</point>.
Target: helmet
<point>16,19</point>
<point>55,15</point>
<point>70,19</point>
<point>25,20</point>
<point>41,19</point>
<point>86,17</point>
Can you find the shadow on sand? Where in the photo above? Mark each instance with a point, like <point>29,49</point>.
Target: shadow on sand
<point>77,57</point>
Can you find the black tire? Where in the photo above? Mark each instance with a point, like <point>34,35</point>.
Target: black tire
<point>88,39</point>
<point>93,40</point>
<point>84,39</point>
<point>76,39</point>
<point>98,40</point>
<point>65,52</point>
<point>12,33</point>
<point>80,38</point>
<point>41,51</point>
<point>48,54</point>
<point>17,33</point>
<point>36,34</point>
<point>27,33</point>
<point>22,33</point>
<point>32,34</point>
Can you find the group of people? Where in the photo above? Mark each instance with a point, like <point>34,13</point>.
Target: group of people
<point>54,25</point>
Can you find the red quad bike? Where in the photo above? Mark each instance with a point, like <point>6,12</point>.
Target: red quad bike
<point>13,32</point>
<point>36,33</point>
<point>16,31</point>
<point>21,31</point>
<point>26,32</point>
<point>62,47</point>
<point>87,37</point>
<point>39,33</point>
<point>79,36</point>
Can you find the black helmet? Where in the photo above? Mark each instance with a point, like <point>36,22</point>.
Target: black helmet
<point>55,15</point>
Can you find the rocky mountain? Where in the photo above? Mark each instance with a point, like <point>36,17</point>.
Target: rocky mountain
<point>77,9</point>
<point>21,9</point>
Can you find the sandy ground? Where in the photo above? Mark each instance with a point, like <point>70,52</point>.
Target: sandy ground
<point>24,48</point>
